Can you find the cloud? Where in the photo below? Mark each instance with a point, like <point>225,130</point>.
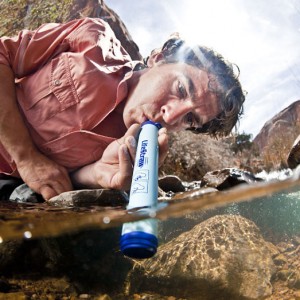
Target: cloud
<point>261,37</point>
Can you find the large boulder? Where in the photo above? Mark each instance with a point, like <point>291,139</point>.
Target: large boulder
<point>281,129</point>
<point>17,15</point>
<point>191,155</point>
<point>293,159</point>
<point>224,257</point>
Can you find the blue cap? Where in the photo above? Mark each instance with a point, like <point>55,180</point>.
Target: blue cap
<point>138,244</point>
<point>153,123</point>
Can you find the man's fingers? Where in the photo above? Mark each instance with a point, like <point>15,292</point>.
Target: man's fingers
<point>131,144</point>
<point>59,188</point>
<point>47,192</point>
<point>125,172</point>
<point>163,142</point>
<point>50,188</point>
<point>133,130</point>
<point>65,183</point>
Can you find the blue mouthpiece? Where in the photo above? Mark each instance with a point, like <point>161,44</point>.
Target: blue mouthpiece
<point>153,123</point>
<point>138,244</point>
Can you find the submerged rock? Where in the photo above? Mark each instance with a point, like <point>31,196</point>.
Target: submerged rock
<point>224,257</point>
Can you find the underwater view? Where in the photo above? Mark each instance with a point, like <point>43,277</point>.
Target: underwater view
<point>239,243</point>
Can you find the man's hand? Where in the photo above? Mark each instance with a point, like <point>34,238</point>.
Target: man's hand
<point>44,176</point>
<point>114,169</point>
<point>40,173</point>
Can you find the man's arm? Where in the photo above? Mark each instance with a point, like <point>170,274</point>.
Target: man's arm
<point>40,173</point>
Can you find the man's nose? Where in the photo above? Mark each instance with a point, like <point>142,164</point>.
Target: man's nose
<point>174,111</point>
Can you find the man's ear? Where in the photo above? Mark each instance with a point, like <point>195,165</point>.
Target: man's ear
<point>156,57</point>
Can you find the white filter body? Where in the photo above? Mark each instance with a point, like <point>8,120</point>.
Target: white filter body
<point>144,188</point>
<point>139,239</point>
<point>148,226</point>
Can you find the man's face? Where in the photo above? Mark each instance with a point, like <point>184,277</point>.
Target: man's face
<point>175,95</point>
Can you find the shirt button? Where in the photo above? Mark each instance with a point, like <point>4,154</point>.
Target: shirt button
<point>57,82</point>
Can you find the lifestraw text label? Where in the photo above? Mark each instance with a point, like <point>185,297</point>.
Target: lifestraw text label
<point>143,153</point>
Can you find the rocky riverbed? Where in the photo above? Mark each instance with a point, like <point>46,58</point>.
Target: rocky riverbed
<point>214,243</point>
<point>285,282</point>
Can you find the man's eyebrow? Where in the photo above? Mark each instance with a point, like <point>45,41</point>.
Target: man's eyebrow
<point>191,89</point>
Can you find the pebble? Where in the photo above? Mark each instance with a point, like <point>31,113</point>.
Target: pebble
<point>297,295</point>
<point>280,259</point>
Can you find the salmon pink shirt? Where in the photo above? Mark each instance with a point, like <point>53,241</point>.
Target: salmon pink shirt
<point>69,79</point>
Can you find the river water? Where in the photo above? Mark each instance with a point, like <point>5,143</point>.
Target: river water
<point>274,206</point>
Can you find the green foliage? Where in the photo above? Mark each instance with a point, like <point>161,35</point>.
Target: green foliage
<point>30,14</point>
<point>242,141</point>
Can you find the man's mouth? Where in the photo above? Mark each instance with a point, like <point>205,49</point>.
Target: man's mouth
<point>144,119</point>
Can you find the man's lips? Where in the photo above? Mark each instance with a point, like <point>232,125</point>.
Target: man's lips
<point>144,119</point>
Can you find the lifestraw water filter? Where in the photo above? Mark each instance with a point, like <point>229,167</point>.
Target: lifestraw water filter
<point>139,239</point>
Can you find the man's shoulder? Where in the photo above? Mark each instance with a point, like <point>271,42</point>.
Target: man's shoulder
<point>88,21</point>
<point>88,29</point>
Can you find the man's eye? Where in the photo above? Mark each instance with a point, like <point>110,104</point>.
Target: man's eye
<point>190,120</point>
<point>181,90</point>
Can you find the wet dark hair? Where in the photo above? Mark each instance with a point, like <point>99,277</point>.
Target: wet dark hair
<point>222,81</point>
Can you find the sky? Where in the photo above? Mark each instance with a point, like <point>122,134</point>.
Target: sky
<point>262,37</point>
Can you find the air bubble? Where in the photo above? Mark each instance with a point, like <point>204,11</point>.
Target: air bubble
<point>106,220</point>
<point>152,214</point>
<point>27,234</point>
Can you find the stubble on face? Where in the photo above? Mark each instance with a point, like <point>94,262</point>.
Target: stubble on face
<point>151,89</point>
<point>140,104</point>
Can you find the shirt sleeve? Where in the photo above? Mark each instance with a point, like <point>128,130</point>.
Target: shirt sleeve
<point>30,50</point>
<point>96,39</point>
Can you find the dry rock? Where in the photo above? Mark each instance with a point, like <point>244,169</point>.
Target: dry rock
<point>99,197</point>
<point>293,159</point>
<point>227,178</point>
<point>171,183</point>
<point>283,124</point>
